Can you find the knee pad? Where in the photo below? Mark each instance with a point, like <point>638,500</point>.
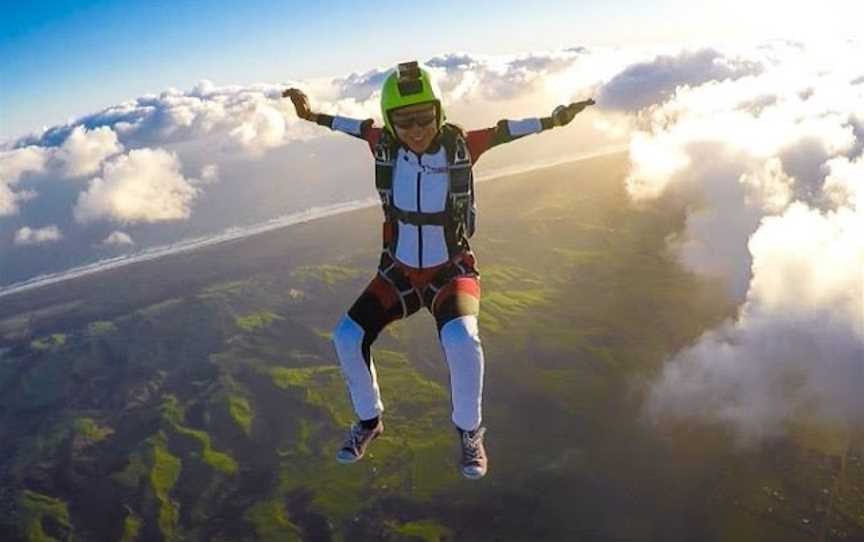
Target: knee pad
<point>461,334</point>
<point>348,338</point>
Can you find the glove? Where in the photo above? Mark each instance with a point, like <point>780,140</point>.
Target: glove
<point>301,103</point>
<point>563,114</point>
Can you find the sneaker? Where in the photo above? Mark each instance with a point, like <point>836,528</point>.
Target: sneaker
<point>356,442</point>
<point>473,462</point>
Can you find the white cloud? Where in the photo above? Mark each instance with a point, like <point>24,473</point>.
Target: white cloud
<point>797,346</point>
<point>37,236</point>
<point>647,83</point>
<point>252,119</point>
<point>738,163</point>
<point>118,238</point>
<point>253,114</point>
<point>263,127</point>
<point>844,186</point>
<point>83,151</point>
<point>14,164</point>
<point>209,174</point>
<point>769,169</point>
<point>479,79</point>
<point>141,186</point>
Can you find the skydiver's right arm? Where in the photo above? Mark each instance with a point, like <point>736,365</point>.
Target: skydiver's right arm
<point>361,129</point>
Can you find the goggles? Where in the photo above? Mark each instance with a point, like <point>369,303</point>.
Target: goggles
<point>421,119</point>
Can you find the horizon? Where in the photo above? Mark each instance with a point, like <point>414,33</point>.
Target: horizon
<point>237,233</point>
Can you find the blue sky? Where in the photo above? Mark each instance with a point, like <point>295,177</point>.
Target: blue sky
<point>64,58</point>
<point>68,58</point>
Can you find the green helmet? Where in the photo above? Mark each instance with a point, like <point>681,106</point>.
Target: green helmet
<point>408,85</point>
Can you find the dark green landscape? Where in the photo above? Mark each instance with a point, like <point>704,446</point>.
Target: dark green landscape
<point>198,397</point>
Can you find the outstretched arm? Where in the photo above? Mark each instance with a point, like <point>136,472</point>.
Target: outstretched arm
<point>480,141</point>
<point>362,129</point>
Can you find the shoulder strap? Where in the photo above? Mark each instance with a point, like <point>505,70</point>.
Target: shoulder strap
<point>453,138</point>
<point>385,156</point>
<point>385,149</point>
<point>461,199</point>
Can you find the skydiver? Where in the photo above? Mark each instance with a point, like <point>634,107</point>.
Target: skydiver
<point>423,174</point>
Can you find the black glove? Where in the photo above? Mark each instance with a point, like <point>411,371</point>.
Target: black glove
<point>563,114</point>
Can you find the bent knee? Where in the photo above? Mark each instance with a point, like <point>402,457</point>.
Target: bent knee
<point>461,332</point>
<point>347,334</point>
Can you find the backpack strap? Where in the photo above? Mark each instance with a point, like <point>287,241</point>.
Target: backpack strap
<point>461,203</point>
<point>385,154</point>
<point>385,157</point>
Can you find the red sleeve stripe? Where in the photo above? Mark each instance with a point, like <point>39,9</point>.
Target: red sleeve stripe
<point>372,135</point>
<point>479,141</point>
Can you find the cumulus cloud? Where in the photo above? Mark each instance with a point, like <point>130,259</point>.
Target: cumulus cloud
<point>263,127</point>
<point>797,346</point>
<point>118,238</point>
<point>254,118</point>
<point>209,174</point>
<point>844,185</point>
<point>83,151</point>
<point>477,77</point>
<point>37,236</point>
<point>80,154</point>
<point>246,118</point>
<point>649,83</point>
<point>14,164</point>
<point>361,86</point>
<point>769,167</point>
<point>143,185</point>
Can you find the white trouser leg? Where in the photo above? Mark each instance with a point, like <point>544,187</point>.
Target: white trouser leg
<point>362,380</point>
<point>460,339</point>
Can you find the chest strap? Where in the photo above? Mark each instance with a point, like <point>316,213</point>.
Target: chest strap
<point>420,219</point>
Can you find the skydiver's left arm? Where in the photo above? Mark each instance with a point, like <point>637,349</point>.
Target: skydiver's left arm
<point>480,141</point>
<point>362,129</point>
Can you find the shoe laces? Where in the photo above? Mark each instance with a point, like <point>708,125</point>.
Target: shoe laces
<point>472,445</point>
<point>355,436</point>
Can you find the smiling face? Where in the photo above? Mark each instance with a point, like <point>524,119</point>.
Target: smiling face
<point>416,126</point>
